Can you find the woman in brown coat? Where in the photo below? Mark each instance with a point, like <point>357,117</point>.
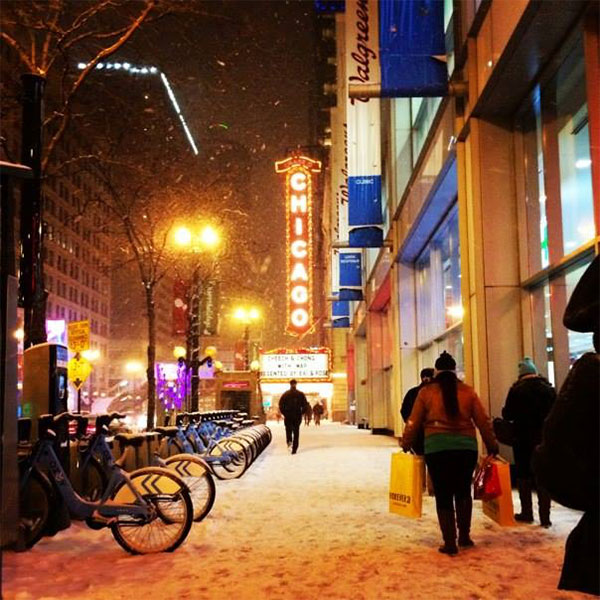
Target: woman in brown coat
<point>449,410</point>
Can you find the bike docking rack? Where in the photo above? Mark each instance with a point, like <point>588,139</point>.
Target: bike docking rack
<point>147,510</point>
<point>226,440</point>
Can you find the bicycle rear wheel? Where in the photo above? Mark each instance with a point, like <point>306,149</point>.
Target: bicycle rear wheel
<point>35,501</point>
<point>197,477</point>
<point>170,517</point>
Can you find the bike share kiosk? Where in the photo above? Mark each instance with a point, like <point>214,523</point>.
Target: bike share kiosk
<point>45,388</point>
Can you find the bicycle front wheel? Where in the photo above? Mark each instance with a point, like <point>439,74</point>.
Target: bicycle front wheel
<point>196,475</point>
<point>229,459</point>
<point>35,499</point>
<point>171,512</point>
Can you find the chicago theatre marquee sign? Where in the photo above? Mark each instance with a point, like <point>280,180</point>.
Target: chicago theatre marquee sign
<point>299,240</point>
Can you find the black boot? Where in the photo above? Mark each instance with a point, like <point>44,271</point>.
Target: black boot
<point>448,527</point>
<point>544,507</point>
<point>464,508</point>
<point>526,514</point>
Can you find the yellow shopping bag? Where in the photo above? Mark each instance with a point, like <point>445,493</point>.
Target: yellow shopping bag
<point>500,509</point>
<point>406,484</point>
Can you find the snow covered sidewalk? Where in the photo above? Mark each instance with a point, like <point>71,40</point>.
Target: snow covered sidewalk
<point>312,525</point>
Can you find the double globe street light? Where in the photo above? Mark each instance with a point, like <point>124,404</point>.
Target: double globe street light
<point>247,316</point>
<point>197,243</point>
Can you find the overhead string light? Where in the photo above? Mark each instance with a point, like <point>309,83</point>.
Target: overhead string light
<point>149,70</point>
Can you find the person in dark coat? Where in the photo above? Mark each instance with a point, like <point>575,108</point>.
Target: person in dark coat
<point>318,412</point>
<point>292,405</point>
<point>567,462</point>
<point>308,413</point>
<point>409,402</point>
<point>528,403</point>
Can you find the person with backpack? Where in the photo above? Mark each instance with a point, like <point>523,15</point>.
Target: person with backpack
<point>527,405</point>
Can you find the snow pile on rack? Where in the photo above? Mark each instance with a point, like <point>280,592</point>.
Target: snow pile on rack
<point>313,525</point>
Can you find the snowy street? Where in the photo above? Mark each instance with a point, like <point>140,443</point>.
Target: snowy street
<point>313,525</point>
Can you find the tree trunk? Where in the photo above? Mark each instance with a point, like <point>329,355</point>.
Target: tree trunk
<point>150,371</point>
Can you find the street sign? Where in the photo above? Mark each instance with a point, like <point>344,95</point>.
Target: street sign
<point>79,370</point>
<point>78,336</point>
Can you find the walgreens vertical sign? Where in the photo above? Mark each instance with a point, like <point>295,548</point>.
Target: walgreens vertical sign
<point>299,172</point>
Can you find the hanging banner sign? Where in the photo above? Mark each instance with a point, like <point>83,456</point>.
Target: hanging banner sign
<point>365,215</point>
<point>209,311</point>
<point>299,243</point>
<point>412,49</point>
<point>340,313</point>
<point>339,137</point>
<point>350,276</point>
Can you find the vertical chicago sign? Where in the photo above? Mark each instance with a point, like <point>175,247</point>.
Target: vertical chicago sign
<point>299,243</point>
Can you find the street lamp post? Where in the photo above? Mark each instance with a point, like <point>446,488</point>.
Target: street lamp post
<point>208,238</point>
<point>246,316</point>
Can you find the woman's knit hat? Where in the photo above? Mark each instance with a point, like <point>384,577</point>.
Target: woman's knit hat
<point>527,367</point>
<point>445,362</point>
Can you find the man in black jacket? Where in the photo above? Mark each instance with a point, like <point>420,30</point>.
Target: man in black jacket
<point>292,405</point>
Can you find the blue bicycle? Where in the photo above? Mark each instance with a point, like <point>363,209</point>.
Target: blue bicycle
<point>148,510</point>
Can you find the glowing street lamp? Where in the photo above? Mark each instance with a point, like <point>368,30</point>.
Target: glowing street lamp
<point>205,239</point>
<point>183,236</point>
<point>246,316</point>
<point>134,366</point>
<point>179,352</point>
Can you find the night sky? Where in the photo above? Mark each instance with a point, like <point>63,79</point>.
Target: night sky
<point>245,72</point>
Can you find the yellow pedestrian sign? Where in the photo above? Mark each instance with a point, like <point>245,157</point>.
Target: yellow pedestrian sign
<point>79,370</point>
<point>78,336</point>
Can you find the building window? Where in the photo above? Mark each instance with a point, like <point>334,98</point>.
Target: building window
<point>556,348</point>
<point>439,305</point>
<point>557,165</point>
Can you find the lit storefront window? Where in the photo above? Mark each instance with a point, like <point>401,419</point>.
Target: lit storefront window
<point>554,134</point>
<point>439,304</point>
<point>557,165</point>
<point>555,347</point>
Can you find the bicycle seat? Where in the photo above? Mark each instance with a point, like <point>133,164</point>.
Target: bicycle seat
<point>130,439</point>
<point>105,420</point>
<point>67,416</point>
<point>168,431</point>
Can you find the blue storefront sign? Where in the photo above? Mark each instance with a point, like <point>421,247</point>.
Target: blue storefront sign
<point>350,276</point>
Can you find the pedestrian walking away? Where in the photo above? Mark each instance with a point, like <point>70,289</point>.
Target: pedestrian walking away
<point>317,412</point>
<point>308,414</point>
<point>292,405</point>
<point>409,402</point>
<point>527,405</point>
<point>449,410</point>
<point>567,462</point>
